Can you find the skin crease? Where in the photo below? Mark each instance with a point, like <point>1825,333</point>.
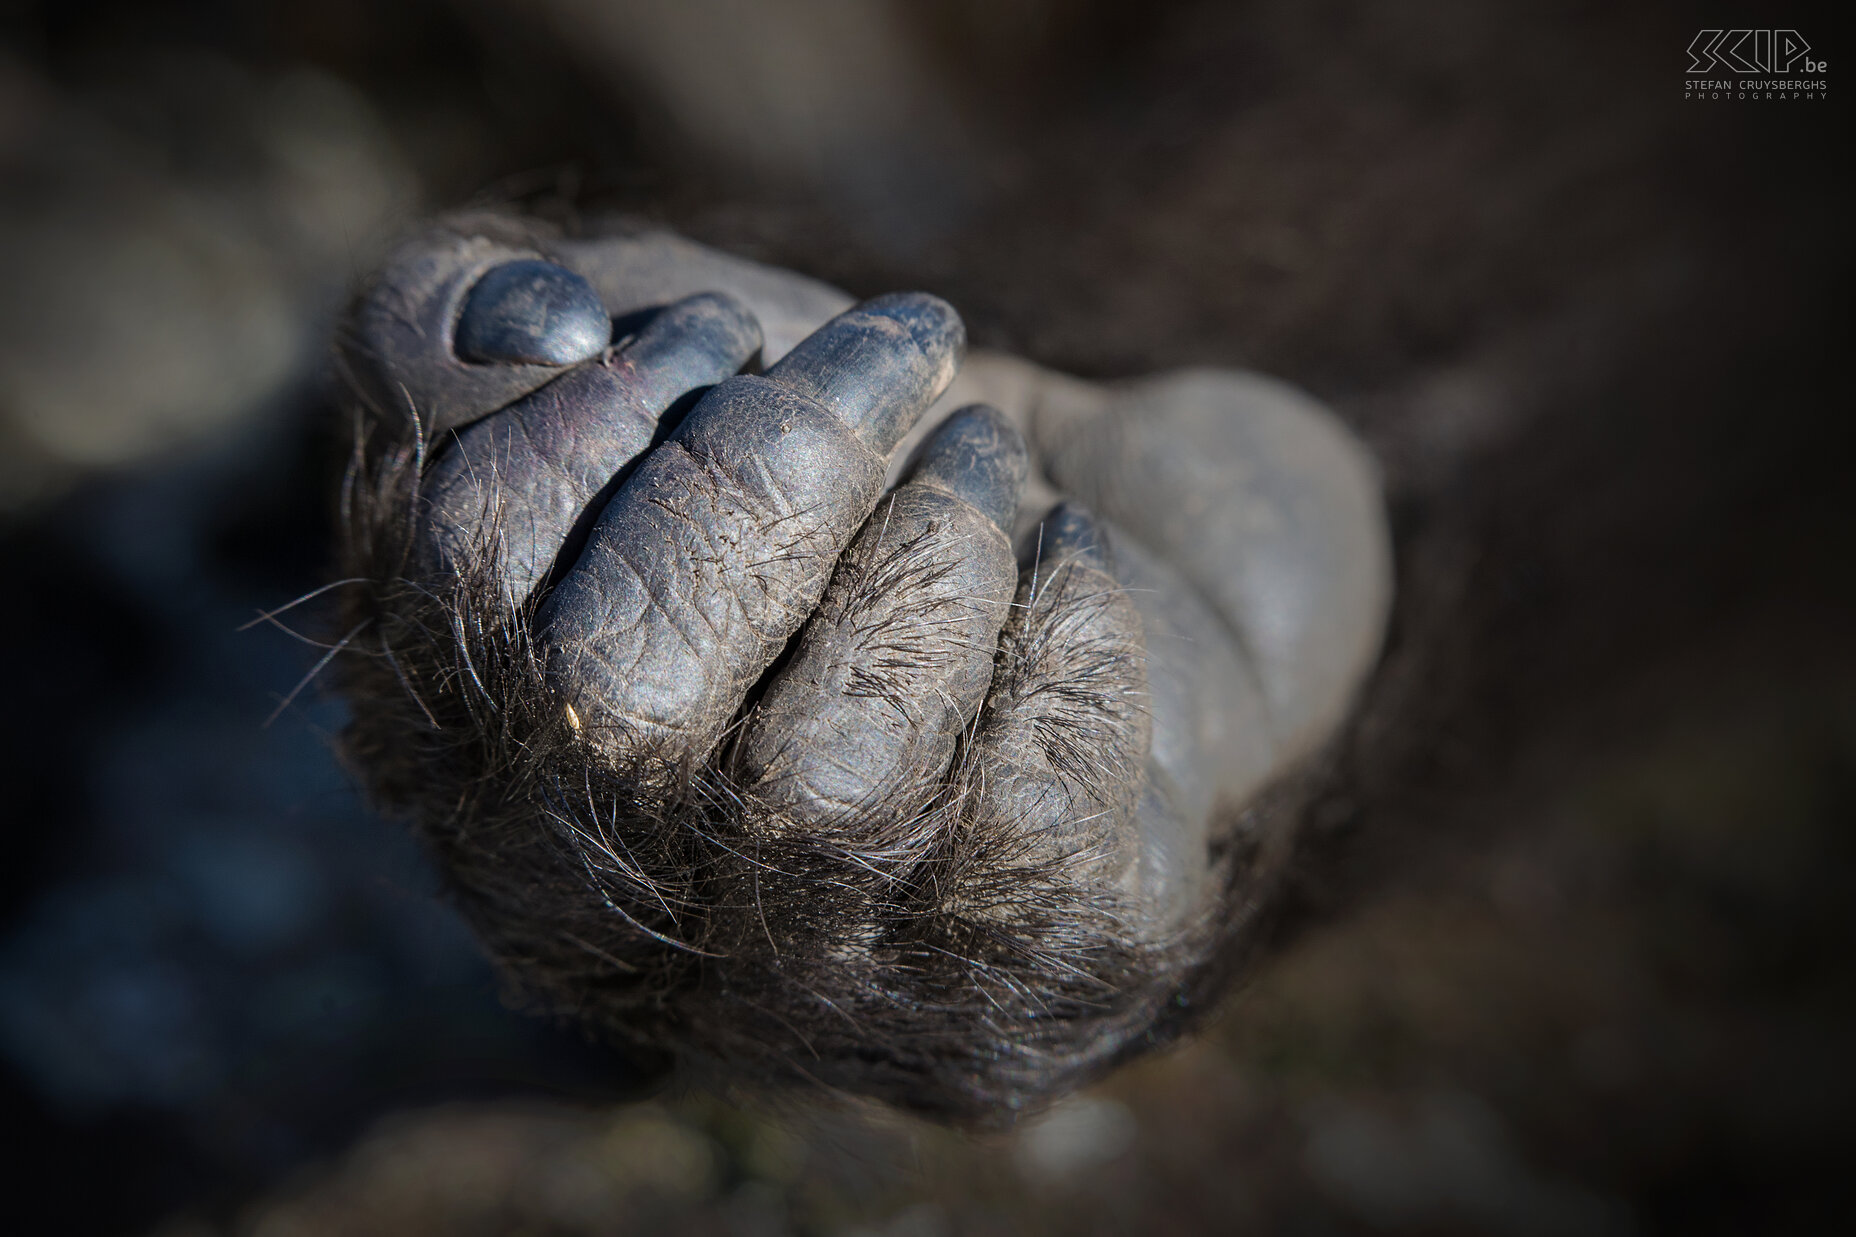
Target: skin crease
<point>782,696</point>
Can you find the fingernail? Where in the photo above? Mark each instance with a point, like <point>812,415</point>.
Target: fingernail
<point>879,365</point>
<point>932,323</point>
<point>531,312</point>
<point>978,456</point>
<point>1073,534</point>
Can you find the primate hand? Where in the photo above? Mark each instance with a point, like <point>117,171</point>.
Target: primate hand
<point>769,705</point>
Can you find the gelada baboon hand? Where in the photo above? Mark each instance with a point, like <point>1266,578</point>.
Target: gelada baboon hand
<point>759,718</point>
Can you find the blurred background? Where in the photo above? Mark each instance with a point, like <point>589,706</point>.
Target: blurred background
<point>1568,945</point>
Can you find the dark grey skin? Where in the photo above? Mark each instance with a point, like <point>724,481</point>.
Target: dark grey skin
<point>780,700</point>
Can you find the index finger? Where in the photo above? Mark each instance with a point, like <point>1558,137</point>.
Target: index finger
<point>719,546</point>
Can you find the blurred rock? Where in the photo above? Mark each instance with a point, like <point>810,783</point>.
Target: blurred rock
<point>841,100</point>
<point>1447,1163</point>
<point>175,240</point>
<point>1075,1137</point>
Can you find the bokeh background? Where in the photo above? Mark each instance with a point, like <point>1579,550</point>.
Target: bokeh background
<point>1568,944</point>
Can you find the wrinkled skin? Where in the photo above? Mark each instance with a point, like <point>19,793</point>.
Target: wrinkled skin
<point>782,695</point>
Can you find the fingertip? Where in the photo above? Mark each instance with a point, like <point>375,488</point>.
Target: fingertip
<point>713,326</point>
<point>934,325</point>
<point>1071,533</point>
<point>980,457</point>
<point>878,366</point>
<point>531,312</point>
